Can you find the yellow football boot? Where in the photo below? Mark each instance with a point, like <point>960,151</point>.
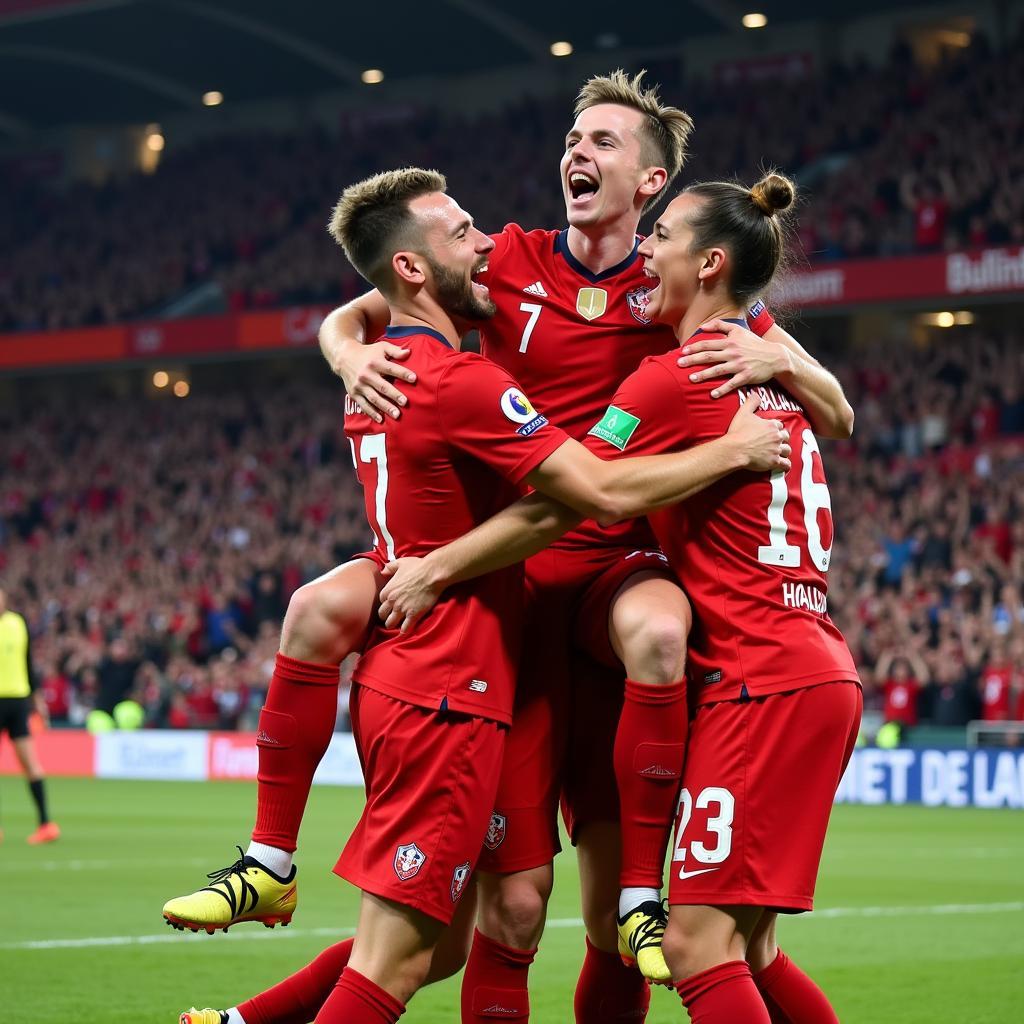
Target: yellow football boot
<point>206,1016</point>
<point>246,891</point>
<point>640,935</point>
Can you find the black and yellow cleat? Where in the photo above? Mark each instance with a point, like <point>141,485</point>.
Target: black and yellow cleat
<point>640,935</point>
<point>246,891</point>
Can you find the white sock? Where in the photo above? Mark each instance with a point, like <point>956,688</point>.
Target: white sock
<point>234,1017</point>
<point>278,861</point>
<point>630,899</point>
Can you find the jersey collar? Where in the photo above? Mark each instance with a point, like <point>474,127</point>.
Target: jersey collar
<point>562,248</point>
<point>391,333</point>
<point>728,320</point>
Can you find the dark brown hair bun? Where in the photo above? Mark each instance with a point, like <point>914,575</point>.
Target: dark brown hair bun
<point>772,193</point>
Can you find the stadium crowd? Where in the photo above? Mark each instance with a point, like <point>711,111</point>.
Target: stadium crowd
<point>895,159</point>
<point>152,545</point>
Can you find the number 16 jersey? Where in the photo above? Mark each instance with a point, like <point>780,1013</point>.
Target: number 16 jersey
<point>752,551</point>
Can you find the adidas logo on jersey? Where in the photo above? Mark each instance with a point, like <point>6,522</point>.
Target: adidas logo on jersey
<point>536,289</point>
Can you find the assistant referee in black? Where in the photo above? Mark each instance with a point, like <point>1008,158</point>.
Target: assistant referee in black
<point>17,695</point>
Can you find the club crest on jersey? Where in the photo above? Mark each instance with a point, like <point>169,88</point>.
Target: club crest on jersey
<point>408,861</point>
<point>518,408</point>
<point>638,299</point>
<point>495,831</point>
<point>591,303</point>
<point>459,879</point>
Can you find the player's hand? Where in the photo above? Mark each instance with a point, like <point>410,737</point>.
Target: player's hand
<point>764,442</point>
<point>409,594</point>
<point>741,355</point>
<point>365,369</point>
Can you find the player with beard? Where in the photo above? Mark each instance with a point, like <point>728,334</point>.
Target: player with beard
<point>430,710</point>
<point>571,319</point>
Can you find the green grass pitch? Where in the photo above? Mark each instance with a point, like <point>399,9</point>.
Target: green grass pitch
<point>921,912</point>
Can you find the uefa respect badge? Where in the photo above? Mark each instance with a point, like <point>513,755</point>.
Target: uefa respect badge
<point>616,427</point>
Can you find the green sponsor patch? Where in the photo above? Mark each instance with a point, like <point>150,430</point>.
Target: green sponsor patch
<point>616,427</point>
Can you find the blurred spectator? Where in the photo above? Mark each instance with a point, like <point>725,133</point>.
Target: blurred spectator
<point>900,158</point>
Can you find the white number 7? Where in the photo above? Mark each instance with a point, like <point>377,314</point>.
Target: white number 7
<point>534,310</point>
<point>373,448</point>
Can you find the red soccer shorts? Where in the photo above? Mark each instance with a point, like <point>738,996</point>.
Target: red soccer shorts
<point>758,786</point>
<point>430,780</point>
<point>569,594</point>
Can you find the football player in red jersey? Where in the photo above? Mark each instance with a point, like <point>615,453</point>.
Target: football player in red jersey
<point>571,321</point>
<point>430,709</point>
<point>777,695</point>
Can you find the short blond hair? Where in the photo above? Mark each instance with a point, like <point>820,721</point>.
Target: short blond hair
<point>666,130</point>
<point>371,221</point>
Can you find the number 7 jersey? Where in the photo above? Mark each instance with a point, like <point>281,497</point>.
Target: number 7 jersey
<point>752,551</point>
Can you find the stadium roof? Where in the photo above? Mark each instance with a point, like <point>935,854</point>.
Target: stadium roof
<point>74,61</point>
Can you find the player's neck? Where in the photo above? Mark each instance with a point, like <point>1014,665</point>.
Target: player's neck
<point>434,319</point>
<point>602,248</point>
<point>705,308</point>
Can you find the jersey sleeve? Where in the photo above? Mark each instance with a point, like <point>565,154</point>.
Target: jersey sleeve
<point>649,415</point>
<point>502,242</point>
<point>484,413</point>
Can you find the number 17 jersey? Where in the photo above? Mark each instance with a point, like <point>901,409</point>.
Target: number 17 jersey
<point>751,551</point>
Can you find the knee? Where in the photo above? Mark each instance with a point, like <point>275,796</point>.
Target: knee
<point>657,646</point>
<point>324,621</point>
<point>680,950</point>
<point>513,910</point>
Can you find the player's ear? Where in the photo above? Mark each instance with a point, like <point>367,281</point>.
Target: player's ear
<point>714,264</point>
<point>655,179</point>
<point>409,267</point>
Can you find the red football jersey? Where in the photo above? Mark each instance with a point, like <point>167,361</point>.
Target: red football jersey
<point>570,337</point>
<point>455,457</point>
<point>751,551</point>
<point>996,690</point>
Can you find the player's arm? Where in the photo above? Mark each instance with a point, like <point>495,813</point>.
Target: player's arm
<point>574,483</point>
<point>365,368</point>
<point>748,360</point>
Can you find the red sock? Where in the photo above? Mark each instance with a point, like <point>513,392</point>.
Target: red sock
<point>791,997</point>
<point>649,746</point>
<point>494,985</point>
<point>357,1000</point>
<point>296,725</point>
<point>298,999</point>
<point>609,992</point>
<point>725,994</point>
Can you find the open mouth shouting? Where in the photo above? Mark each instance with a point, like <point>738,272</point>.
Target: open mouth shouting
<point>583,187</point>
<point>479,287</point>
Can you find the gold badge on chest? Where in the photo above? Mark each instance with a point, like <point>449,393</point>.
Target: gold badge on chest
<point>591,303</point>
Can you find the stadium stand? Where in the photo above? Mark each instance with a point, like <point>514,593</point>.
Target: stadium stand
<point>897,159</point>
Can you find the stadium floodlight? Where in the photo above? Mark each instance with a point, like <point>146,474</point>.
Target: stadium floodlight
<point>754,20</point>
<point>155,141</point>
<point>181,388</point>
<point>213,98</point>
<point>372,76</point>
<point>161,379</point>
<point>561,49</point>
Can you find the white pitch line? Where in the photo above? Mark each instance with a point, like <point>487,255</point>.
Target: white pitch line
<point>564,922</point>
